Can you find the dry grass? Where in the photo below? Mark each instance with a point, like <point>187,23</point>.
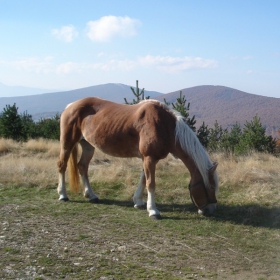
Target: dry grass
<point>29,164</point>
<point>255,178</point>
<point>6,145</point>
<point>50,147</point>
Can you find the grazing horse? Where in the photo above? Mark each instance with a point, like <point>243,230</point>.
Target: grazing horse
<point>148,130</point>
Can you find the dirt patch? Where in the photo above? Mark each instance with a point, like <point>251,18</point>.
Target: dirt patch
<point>41,238</point>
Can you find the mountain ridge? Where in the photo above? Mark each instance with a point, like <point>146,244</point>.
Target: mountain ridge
<point>207,102</point>
<point>228,106</point>
<point>55,102</point>
<point>16,91</point>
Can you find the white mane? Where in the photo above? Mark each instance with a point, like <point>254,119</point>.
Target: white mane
<point>192,146</point>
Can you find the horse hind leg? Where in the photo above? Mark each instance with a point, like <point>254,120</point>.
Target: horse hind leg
<point>68,139</point>
<point>83,164</point>
<point>138,195</point>
<point>62,165</point>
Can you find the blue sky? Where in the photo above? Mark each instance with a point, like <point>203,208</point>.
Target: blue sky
<point>166,45</point>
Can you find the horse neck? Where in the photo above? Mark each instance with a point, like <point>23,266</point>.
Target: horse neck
<point>190,164</point>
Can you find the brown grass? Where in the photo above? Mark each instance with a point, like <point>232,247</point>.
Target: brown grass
<point>256,177</point>
<point>6,145</point>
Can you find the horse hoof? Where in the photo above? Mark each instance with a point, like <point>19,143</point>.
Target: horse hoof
<point>65,199</point>
<point>94,200</point>
<point>156,217</point>
<point>141,207</point>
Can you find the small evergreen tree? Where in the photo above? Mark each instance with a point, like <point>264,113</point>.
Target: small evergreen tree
<point>183,109</point>
<point>203,135</point>
<point>11,123</point>
<point>230,140</point>
<point>255,139</point>
<point>140,95</point>
<point>215,137</point>
<point>28,126</point>
<point>49,128</point>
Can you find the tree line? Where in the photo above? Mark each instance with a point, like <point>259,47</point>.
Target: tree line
<point>237,140</point>
<point>21,127</point>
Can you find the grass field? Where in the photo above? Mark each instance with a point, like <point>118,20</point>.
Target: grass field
<point>42,238</point>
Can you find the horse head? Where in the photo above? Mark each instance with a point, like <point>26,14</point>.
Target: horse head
<point>204,197</point>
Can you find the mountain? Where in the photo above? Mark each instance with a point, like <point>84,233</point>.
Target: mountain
<point>228,106</point>
<point>20,91</point>
<point>207,103</point>
<point>48,104</point>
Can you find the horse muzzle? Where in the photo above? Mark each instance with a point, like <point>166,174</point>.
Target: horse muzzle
<point>208,210</point>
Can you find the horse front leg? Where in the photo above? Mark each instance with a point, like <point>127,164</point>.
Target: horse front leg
<point>87,154</point>
<point>138,195</point>
<point>149,169</point>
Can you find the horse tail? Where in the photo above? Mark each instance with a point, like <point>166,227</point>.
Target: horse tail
<point>73,171</point>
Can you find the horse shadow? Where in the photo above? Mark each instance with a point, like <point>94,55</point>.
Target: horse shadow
<point>248,214</point>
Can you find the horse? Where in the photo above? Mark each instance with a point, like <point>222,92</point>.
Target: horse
<point>149,130</point>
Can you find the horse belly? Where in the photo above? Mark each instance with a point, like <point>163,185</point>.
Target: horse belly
<point>119,149</point>
<point>115,144</point>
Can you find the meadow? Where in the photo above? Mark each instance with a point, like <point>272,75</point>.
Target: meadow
<point>42,238</point>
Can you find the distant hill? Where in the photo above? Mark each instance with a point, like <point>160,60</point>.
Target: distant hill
<point>48,104</point>
<point>20,91</point>
<point>228,106</point>
<point>207,103</point>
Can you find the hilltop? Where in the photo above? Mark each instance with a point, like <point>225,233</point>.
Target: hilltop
<point>208,103</point>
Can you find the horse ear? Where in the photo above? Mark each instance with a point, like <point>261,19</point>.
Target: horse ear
<point>213,168</point>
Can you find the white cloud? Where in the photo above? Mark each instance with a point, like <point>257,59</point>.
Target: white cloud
<point>163,63</point>
<point>177,64</point>
<point>111,65</point>
<point>65,33</point>
<point>68,67</point>
<point>108,27</point>
<point>31,64</point>
<point>248,57</point>
<point>123,65</point>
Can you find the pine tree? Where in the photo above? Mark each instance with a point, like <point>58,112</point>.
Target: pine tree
<point>255,139</point>
<point>140,95</point>
<point>49,128</point>
<point>28,126</point>
<point>203,135</point>
<point>11,123</point>
<point>183,109</point>
<point>215,137</point>
<point>231,140</point>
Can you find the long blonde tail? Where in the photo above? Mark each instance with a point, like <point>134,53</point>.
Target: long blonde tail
<point>73,171</point>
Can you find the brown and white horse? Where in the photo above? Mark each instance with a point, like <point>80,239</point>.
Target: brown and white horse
<point>148,130</point>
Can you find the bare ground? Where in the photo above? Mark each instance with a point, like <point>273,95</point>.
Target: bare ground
<point>41,238</point>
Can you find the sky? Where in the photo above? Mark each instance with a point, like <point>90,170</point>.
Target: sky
<point>165,45</point>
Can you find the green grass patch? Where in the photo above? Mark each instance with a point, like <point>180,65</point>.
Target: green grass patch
<point>79,240</point>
